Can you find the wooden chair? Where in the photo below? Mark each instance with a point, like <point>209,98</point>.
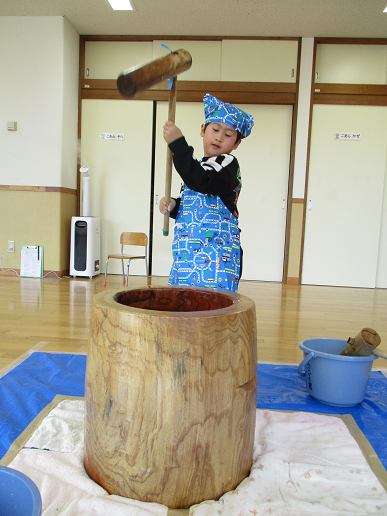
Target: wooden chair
<point>131,239</point>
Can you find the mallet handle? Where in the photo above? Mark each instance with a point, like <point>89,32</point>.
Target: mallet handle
<point>380,354</point>
<point>168,173</point>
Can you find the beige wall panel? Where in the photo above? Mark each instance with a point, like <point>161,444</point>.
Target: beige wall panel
<point>107,59</point>
<point>206,58</point>
<point>68,209</point>
<point>352,64</point>
<point>37,218</point>
<point>259,60</point>
<point>295,240</point>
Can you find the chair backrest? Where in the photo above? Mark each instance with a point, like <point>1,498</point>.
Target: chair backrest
<point>129,238</point>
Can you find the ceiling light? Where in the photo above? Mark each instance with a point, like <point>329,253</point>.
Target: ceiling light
<point>121,5</point>
<point>385,9</point>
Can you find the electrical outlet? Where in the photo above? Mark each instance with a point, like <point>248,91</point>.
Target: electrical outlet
<point>11,246</point>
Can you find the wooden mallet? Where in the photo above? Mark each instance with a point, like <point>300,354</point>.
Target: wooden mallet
<point>364,344</point>
<point>139,78</point>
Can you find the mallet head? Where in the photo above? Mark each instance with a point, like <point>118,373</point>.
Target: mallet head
<point>140,78</point>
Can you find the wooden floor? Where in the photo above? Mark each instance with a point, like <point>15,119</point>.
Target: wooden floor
<point>53,315</point>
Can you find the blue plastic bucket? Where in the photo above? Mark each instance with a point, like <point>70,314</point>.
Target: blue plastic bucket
<point>332,378</point>
<point>19,496</point>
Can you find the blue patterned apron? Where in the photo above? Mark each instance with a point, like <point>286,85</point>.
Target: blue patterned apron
<point>206,246</point>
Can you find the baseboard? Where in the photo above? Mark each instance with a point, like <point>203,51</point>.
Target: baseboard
<point>16,272</point>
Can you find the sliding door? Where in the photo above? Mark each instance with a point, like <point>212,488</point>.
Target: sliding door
<point>345,197</point>
<point>264,161</point>
<point>120,170</point>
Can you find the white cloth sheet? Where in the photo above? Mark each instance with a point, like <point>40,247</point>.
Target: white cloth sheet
<point>305,464</point>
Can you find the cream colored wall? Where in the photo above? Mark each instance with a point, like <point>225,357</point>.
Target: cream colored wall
<point>37,218</point>
<point>39,80</point>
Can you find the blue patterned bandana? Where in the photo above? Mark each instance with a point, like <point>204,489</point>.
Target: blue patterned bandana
<point>217,111</point>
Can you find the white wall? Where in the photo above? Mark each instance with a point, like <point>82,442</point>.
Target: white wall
<point>301,144</point>
<point>38,88</point>
<point>70,105</point>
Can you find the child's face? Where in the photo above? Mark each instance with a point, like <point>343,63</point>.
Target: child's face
<point>218,138</point>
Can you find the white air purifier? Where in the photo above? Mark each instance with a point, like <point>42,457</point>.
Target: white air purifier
<point>85,249</point>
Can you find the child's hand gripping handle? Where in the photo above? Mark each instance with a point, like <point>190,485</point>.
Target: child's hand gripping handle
<point>168,174</point>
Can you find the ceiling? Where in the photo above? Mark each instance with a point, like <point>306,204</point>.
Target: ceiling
<point>277,18</point>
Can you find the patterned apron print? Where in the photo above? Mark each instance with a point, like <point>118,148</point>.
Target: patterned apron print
<point>206,246</point>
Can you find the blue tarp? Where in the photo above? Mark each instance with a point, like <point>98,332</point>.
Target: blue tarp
<point>28,388</point>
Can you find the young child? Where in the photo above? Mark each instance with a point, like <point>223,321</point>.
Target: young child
<point>206,245</point>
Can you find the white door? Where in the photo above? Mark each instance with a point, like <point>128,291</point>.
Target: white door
<point>345,196</point>
<point>120,171</point>
<point>381,275</point>
<point>264,161</point>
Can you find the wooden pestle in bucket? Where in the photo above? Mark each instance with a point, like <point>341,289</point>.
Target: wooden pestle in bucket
<point>364,344</point>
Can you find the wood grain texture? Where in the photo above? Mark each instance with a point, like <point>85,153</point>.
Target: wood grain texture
<point>170,393</point>
<point>363,344</point>
<point>54,189</point>
<point>169,162</point>
<point>140,78</point>
<point>193,91</point>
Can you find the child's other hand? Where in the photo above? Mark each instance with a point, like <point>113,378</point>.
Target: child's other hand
<point>171,132</point>
<point>164,207</point>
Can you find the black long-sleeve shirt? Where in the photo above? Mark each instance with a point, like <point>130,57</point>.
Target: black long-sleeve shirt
<point>218,175</point>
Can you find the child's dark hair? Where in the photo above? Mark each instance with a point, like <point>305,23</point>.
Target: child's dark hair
<point>239,136</point>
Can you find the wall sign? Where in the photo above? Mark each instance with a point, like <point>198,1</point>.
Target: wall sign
<point>112,136</point>
<point>348,136</point>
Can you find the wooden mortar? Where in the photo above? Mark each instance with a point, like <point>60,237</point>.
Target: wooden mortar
<point>170,393</point>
